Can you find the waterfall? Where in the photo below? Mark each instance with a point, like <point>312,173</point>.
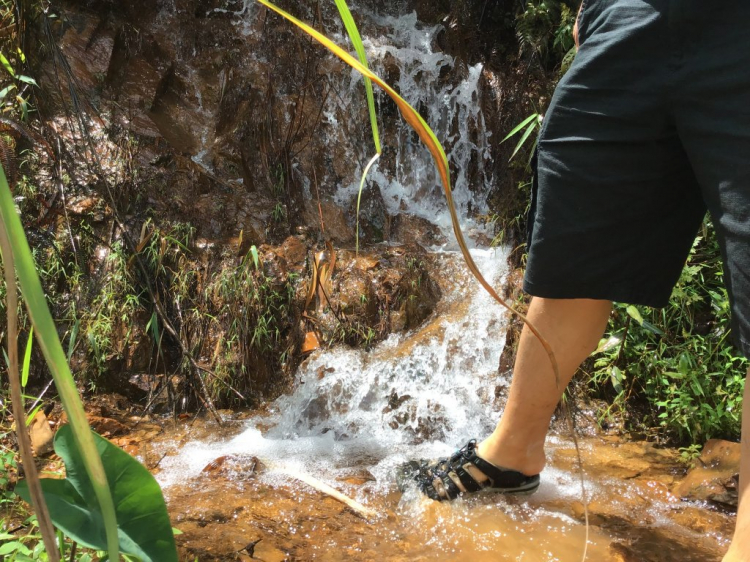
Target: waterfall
<point>420,393</point>
<point>448,98</point>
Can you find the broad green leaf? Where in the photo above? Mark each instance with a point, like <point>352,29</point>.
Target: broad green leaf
<point>143,525</point>
<point>27,359</point>
<point>15,546</point>
<point>49,342</point>
<point>356,39</point>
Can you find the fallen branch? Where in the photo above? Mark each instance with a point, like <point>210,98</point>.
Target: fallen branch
<point>358,508</point>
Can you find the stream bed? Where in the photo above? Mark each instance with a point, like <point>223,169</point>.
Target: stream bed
<point>355,415</point>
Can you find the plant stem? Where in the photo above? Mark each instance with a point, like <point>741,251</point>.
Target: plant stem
<point>24,442</point>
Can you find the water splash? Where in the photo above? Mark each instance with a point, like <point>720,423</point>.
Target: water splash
<point>420,393</point>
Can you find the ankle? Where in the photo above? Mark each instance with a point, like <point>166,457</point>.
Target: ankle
<point>528,459</point>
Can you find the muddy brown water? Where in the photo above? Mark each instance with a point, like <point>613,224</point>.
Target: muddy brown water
<point>237,510</point>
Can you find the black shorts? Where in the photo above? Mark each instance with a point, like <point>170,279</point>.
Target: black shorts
<point>648,129</point>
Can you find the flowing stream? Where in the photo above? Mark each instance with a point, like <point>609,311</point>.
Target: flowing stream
<point>354,415</point>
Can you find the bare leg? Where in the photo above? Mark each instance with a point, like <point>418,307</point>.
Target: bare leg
<point>739,551</point>
<point>573,327</point>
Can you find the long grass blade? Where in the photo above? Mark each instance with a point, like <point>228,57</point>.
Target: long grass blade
<point>356,39</point>
<point>427,136</point>
<point>359,197</point>
<point>48,340</point>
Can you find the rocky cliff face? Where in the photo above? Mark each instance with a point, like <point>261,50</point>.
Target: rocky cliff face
<point>190,132</point>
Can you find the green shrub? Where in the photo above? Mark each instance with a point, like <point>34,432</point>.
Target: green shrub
<point>677,365</point>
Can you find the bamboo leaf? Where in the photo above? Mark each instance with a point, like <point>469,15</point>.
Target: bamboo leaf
<point>5,91</point>
<point>73,338</point>
<point>48,340</point>
<point>521,125</point>
<point>27,80</point>
<point>530,129</point>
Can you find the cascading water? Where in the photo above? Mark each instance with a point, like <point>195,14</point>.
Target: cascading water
<point>448,98</point>
<point>416,394</point>
<point>430,387</point>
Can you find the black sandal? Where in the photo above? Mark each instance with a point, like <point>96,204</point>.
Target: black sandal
<point>446,479</point>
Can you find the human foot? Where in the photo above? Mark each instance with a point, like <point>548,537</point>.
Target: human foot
<point>464,472</point>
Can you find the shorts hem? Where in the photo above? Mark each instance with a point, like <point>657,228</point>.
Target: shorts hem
<point>610,293</point>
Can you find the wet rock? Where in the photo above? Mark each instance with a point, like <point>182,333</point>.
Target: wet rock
<point>374,220</point>
<point>356,295</point>
<point>294,252</point>
<point>87,43</point>
<point>406,228</point>
<point>416,295</point>
<point>41,434</point>
<point>359,478</point>
<point>715,475</point>
<point>236,466</point>
<point>337,228</point>
<point>107,427</point>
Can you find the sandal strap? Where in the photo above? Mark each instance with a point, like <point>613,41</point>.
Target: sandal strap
<point>498,476</point>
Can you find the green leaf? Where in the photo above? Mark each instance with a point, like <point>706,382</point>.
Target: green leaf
<point>617,377</point>
<point>521,125</point>
<point>635,314</point>
<point>530,129</point>
<point>15,546</point>
<point>5,91</point>
<point>254,255</point>
<point>646,325</point>
<point>27,359</point>
<point>32,414</point>
<point>356,39</point>
<point>27,80</point>
<point>73,338</point>
<point>7,65</point>
<point>143,525</point>
<point>606,344</point>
